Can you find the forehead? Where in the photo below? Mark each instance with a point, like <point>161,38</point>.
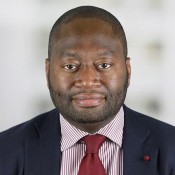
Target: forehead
<point>83,27</point>
<point>87,35</point>
<point>83,32</point>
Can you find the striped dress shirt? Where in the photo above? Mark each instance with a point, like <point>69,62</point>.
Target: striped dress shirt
<point>110,153</point>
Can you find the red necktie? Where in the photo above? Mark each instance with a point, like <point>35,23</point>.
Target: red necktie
<point>91,164</point>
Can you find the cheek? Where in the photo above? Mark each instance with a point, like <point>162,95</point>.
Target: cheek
<point>115,81</point>
<point>59,81</point>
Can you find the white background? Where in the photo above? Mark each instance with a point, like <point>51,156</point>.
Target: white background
<point>24,31</point>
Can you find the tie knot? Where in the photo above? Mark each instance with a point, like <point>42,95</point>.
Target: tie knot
<point>93,142</point>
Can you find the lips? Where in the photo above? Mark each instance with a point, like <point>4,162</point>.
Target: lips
<point>88,100</point>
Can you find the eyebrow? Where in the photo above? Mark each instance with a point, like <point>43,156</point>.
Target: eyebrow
<point>68,54</point>
<point>105,53</point>
<point>73,54</point>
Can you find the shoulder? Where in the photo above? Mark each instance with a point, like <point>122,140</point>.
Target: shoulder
<point>26,129</point>
<point>160,130</point>
<point>14,140</point>
<point>145,119</point>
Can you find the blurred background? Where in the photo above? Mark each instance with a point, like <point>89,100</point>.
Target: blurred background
<point>24,32</point>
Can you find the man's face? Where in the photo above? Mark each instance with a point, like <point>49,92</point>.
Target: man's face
<point>87,73</point>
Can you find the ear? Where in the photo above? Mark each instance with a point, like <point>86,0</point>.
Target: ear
<point>128,67</point>
<point>47,64</point>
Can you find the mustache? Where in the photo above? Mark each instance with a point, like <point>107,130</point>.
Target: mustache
<point>71,94</point>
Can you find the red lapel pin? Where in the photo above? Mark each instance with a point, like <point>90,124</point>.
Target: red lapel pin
<point>146,158</point>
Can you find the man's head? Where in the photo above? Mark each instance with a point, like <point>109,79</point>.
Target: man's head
<point>88,71</point>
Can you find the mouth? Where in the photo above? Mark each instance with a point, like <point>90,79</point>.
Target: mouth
<point>88,100</point>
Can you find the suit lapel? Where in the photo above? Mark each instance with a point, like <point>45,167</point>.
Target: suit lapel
<point>139,153</point>
<point>42,154</point>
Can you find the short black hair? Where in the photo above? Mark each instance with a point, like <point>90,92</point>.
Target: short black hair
<point>88,12</point>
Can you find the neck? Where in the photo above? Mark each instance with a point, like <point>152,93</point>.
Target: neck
<point>90,127</point>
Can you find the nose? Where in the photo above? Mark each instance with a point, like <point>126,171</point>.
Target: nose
<point>88,78</point>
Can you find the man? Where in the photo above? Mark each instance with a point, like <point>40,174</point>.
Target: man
<point>88,73</point>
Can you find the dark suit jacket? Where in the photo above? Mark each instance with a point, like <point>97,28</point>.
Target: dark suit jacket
<point>33,148</point>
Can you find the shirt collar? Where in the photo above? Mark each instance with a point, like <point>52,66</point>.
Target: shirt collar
<point>113,131</point>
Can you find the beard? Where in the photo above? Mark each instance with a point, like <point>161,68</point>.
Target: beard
<point>114,99</point>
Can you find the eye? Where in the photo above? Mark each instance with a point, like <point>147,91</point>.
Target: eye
<point>70,67</point>
<point>104,66</point>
